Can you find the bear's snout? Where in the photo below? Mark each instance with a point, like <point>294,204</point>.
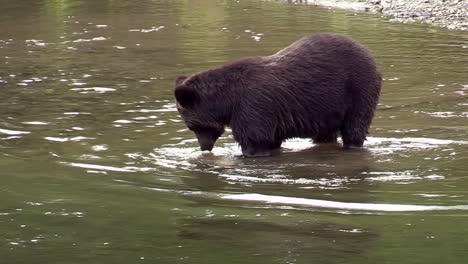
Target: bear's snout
<point>206,147</point>
<point>206,141</point>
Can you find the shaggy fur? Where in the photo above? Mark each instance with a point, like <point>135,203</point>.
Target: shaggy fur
<point>318,87</point>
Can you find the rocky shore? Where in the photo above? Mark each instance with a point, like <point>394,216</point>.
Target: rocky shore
<point>451,14</point>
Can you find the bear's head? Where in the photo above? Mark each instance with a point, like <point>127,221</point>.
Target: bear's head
<point>198,112</point>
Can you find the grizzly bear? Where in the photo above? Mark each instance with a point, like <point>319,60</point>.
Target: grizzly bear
<point>318,87</point>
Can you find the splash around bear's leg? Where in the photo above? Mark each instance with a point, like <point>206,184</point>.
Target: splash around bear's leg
<point>353,146</point>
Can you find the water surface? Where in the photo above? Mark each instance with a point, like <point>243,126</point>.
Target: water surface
<point>97,166</point>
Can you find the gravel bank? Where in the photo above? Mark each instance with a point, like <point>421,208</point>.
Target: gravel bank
<point>451,14</point>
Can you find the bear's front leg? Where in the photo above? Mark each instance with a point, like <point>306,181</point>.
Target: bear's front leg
<point>259,150</point>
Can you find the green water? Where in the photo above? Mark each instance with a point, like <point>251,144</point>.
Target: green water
<point>97,167</point>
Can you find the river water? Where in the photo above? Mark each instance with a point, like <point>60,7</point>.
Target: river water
<point>97,167</point>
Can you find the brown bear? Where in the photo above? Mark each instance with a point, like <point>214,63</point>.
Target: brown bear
<point>318,87</point>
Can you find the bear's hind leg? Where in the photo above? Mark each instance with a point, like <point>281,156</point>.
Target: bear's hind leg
<point>364,96</point>
<point>356,125</point>
<point>362,99</point>
<point>354,129</point>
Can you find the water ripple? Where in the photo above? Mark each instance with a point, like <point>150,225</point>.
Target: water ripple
<point>13,132</point>
<point>296,203</point>
<point>293,201</point>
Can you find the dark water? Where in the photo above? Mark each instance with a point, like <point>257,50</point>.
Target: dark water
<point>96,166</point>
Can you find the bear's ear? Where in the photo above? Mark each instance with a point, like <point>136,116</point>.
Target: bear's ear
<point>180,79</point>
<point>186,96</point>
